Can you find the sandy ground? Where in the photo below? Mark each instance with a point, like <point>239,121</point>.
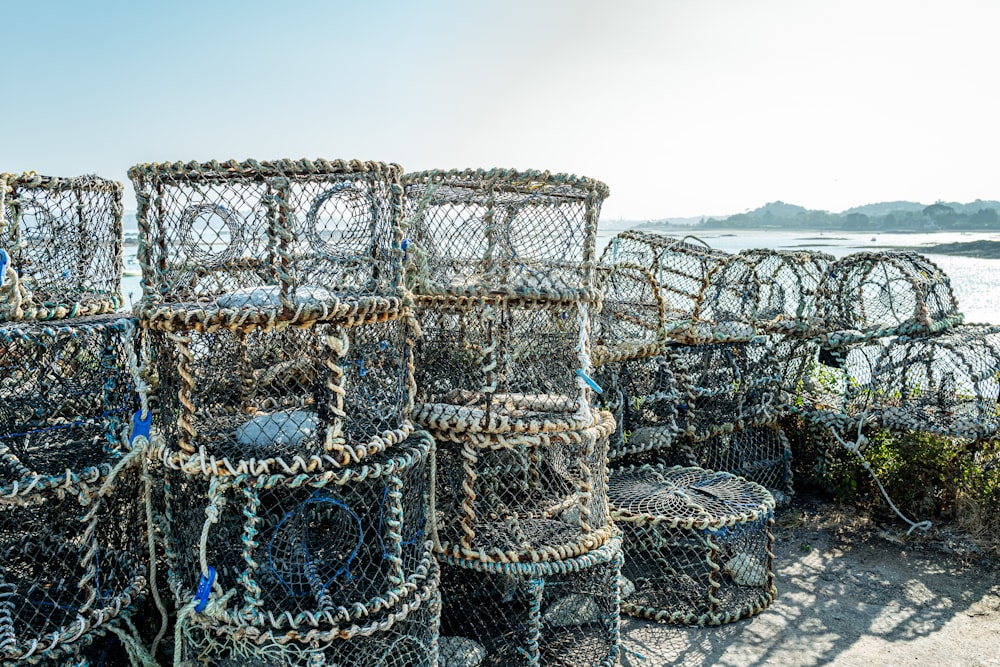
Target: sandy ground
<point>849,593</point>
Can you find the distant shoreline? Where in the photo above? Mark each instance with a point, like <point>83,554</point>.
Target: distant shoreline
<point>978,249</point>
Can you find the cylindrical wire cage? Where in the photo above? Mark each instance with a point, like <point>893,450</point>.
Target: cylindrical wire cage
<point>500,231</point>
<point>67,396</point>
<point>298,240</point>
<point>556,613</point>
<point>72,561</point>
<point>760,454</point>
<point>260,399</point>
<point>630,322</point>
<point>697,544</point>
<point>60,247</point>
<point>870,294</point>
<point>296,554</point>
<point>520,497</point>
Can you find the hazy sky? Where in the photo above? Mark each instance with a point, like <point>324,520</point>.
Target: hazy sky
<point>682,108</point>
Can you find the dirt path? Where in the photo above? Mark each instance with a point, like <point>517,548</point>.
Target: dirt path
<point>849,593</point>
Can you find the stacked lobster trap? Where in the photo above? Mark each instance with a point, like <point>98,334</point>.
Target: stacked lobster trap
<point>72,545</point>
<point>501,265</point>
<point>293,506</point>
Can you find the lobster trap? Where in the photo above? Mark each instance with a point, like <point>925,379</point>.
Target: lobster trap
<point>780,290</point>
<point>642,395</point>
<point>300,240</point>
<point>300,553</point>
<point>502,364</point>
<point>274,399</point>
<point>948,383</point>
<point>476,232</point>
<point>60,247</point>
<point>760,454</point>
<point>697,544</point>
<point>724,386</point>
<point>520,497</point>
<point>630,321</point>
<point>562,613</point>
<point>67,395</point>
<point>71,562</point>
<point>404,635</point>
<point>881,294</point>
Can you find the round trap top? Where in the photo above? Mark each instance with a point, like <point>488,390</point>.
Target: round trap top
<point>691,498</point>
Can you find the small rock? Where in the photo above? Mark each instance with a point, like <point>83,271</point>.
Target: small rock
<point>269,297</point>
<point>574,609</point>
<point>289,428</point>
<point>746,570</point>
<point>459,652</point>
<point>627,587</point>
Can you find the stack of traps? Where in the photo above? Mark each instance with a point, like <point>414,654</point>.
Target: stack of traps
<point>295,490</point>
<point>501,264</point>
<point>72,548</point>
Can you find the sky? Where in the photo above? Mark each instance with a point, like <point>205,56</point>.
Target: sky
<point>684,108</point>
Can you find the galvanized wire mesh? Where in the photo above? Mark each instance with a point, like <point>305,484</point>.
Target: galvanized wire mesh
<point>300,240</point>
<point>760,454</point>
<point>478,232</point>
<point>630,321</point>
<point>66,396</point>
<point>948,383</point>
<point>300,554</point>
<point>404,635</point>
<point>837,391</point>
<point>502,364</point>
<point>557,614</point>
<point>881,294</point>
<point>60,246</point>
<point>786,285</point>
<point>521,497</point>
<point>697,544</point>
<point>275,399</point>
<point>71,562</point>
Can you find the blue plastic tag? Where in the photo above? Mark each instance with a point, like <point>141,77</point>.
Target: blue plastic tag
<point>590,381</point>
<point>4,263</point>
<point>140,426</point>
<point>204,588</point>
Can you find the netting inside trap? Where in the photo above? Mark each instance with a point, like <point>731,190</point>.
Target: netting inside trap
<point>725,385</point>
<point>296,551</point>
<point>60,246</point>
<point>69,562</point>
<point>66,395</point>
<point>501,364</point>
<point>564,613</point>
<point>631,313</point>
<point>405,635</point>
<point>789,284</point>
<point>947,383</point>
<point>760,454</point>
<point>642,395</point>
<point>697,544</point>
<point>331,391</point>
<point>884,294</point>
<point>521,497</point>
<point>314,230</point>
<point>680,268</point>
<point>474,232</point>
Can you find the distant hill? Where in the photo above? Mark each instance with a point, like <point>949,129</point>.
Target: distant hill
<point>884,208</point>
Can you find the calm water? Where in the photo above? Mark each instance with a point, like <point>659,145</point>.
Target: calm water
<point>976,282</point>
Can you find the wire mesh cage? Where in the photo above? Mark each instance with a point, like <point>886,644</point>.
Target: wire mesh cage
<point>724,386</point>
<point>479,232</point>
<point>643,396</point>
<point>71,562</point>
<point>67,395</point>
<point>403,635</point>
<point>561,613</point>
<point>760,454</point>
<point>521,497</point>
<point>300,553</point>
<point>697,544</point>
<point>781,294</point>
<point>879,294</point>
<point>681,268</point>
<point>948,383</point>
<point>60,246</point>
<point>630,321</point>
<point>275,399</point>
<point>298,239</point>
<point>500,365</point>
